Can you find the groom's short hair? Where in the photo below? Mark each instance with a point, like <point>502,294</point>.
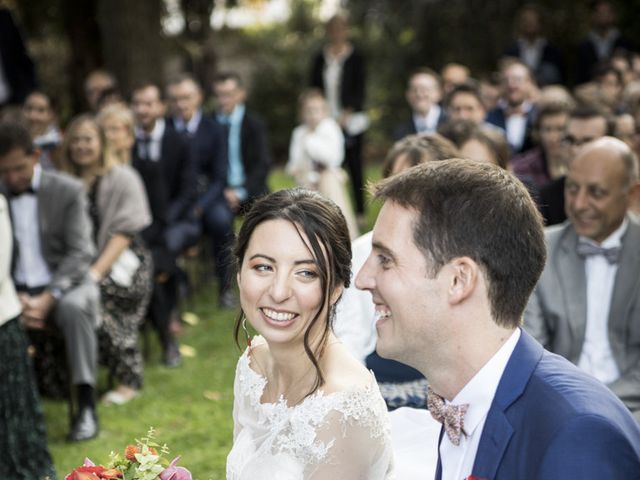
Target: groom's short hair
<point>477,210</point>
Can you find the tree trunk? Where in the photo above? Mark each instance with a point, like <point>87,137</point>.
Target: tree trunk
<point>134,49</point>
<point>85,44</point>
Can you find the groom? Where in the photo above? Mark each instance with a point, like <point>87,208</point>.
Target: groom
<point>457,249</point>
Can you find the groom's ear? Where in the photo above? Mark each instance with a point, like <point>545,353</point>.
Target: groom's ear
<point>464,273</point>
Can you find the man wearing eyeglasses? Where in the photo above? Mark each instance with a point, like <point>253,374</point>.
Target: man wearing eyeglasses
<point>586,124</point>
<point>586,306</point>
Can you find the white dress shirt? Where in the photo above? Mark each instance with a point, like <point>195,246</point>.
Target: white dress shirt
<point>457,461</point>
<point>191,127</point>
<point>154,144</point>
<point>596,357</point>
<point>531,52</point>
<point>31,268</point>
<point>429,122</point>
<point>332,77</point>
<point>355,322</point>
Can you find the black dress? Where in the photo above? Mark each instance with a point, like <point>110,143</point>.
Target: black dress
<point>23,441</point>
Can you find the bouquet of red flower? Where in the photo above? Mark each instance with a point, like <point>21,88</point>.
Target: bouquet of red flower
<point>140,462</point>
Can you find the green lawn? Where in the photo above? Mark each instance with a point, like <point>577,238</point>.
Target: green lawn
<point>190,407</point>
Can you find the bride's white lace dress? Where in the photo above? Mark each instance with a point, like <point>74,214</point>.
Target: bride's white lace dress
<point>337,436</point>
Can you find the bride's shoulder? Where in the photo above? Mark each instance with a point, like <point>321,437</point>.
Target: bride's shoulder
<point>343,373</point>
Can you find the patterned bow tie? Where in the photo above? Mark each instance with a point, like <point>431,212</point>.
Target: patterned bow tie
<point>586,249</point>
<point>451,416</point>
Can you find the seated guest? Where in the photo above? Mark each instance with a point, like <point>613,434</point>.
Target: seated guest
<point>247,144</point>
<point>118,124</point>
<point>464,102</point>
<point>477,142</point>
<point>119,212</point>
<point>208,145</point>
<point>423,94</point>
<point>355,317</point>
<point>23,437</point>
<point>316,153</point>
<point>162,158</point>
<point>40,115</point>
<point>624,128</point>
<point>548,160</point>
<point>585,306</point>
<point>55,249</point>
<point>586,123</point>
<point>452,75</point>
<point>95,84</point>
<point>515,111</point>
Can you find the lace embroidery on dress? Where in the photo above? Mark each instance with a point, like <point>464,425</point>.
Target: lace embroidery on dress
<point>296,428</point>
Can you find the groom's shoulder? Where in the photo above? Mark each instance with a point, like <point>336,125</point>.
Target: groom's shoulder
<point>559,394</point>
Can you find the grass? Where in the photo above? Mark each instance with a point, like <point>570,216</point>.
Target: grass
<point>190,407</point>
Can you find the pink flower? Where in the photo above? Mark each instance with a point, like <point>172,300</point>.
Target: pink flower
<point>175,473</point>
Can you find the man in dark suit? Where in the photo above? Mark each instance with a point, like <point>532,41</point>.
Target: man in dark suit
<point>533,48</point>
<point>247,143</point>
<point>162,158</point>
<point>206,139</point>
<point>586,124</point>
<point>458,247</point>
<point>584,307</point>
<point>51,269</point>
<point>515,112</point>
<point>423,96</point>
<point>601,42</point>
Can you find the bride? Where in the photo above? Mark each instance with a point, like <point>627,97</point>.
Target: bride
<point>304,408</point>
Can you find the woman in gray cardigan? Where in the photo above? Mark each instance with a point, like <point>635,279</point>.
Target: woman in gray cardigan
<point>23,440</point>
<point>119,209</point>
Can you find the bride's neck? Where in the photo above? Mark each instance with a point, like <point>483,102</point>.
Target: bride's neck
<point>291,373</point>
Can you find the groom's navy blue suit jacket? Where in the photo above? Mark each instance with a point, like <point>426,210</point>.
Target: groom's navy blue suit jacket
<point>549,421</point>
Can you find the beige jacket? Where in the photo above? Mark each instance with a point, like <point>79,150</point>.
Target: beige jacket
<point>9,303</point>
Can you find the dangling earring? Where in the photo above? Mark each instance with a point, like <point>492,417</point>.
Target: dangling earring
<point>244,327</point>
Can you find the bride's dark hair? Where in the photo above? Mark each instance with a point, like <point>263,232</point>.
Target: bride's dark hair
<point>324,226</point>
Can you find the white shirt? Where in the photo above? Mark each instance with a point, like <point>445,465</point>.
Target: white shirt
<point>604,44</point>
<point>332,77</point>
<point>429,122</point>
<point>191,126</point>
<point>596,357</point>
<point>155,141</point>
<point>31,268</point>
<point>531,53</point>
<point>516,127</point>
<point>355,323</point>
<point>457,461</point>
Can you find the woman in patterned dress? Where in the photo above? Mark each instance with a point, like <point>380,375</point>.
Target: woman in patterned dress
<point>119,210</point>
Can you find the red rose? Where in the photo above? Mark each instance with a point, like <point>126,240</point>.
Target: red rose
<point>86,473</point>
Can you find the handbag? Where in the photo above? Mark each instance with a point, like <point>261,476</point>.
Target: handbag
<point>124,268</point>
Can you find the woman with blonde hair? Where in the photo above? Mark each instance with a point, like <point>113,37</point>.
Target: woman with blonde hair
<point>118,124</point>
<point>119,210</point>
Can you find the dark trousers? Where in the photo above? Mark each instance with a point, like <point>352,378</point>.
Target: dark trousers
<point>353,159</point>
<point>217,221</point>
<point>163,301</point>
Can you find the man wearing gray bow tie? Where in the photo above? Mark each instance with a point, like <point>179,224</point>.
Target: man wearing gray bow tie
<point>586,306</point>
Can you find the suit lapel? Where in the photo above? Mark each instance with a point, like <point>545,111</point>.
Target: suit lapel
<point>573,283</point>
<point>498,429</point>
<point>44,200</point>
<point>627,278</point>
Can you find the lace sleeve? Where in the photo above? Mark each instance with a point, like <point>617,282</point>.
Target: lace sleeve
<point>357,433</point>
